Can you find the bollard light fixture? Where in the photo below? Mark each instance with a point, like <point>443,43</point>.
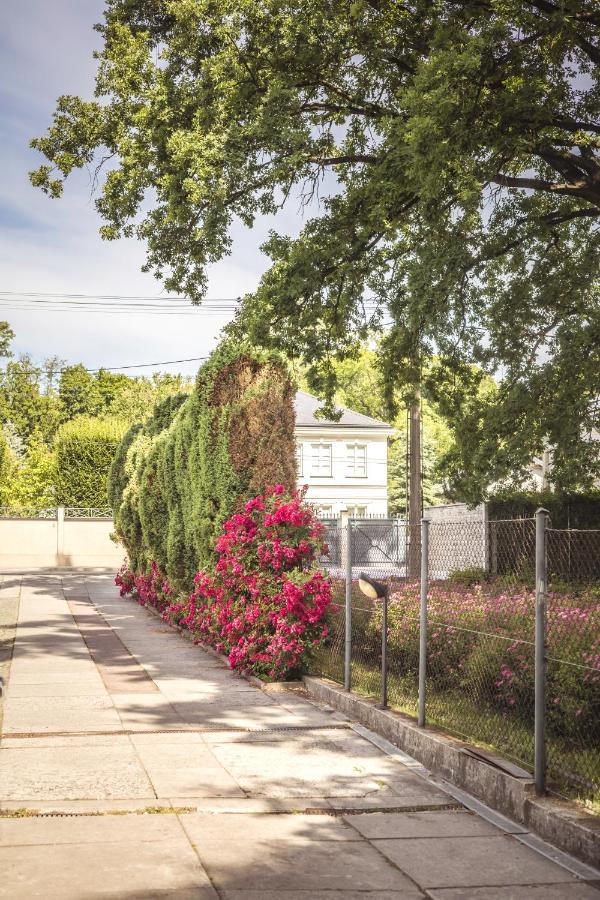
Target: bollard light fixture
<point>375,590</point>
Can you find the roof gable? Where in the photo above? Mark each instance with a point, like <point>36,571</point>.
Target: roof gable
<point>306,407</point>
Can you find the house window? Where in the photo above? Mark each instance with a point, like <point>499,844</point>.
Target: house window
<point>356,460</point>
<point>325,512</point>
<point>300,459</point>
<point>357,512</point>
<point>321,460</point>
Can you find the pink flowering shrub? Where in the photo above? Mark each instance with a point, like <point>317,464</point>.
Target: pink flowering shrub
<point>150,590</point>
<point>265,605</point>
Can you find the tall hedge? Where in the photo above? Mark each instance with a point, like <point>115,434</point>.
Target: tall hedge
<point>566,510</point>
<point>85,448</point>
<point>176,478</point>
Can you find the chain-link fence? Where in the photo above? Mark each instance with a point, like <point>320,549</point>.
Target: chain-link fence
<point>461,613</point>
<point>573,661</point>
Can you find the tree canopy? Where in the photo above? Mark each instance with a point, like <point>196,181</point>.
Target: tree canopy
<point>454,147</point>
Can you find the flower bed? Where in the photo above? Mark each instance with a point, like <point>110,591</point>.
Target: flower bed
<point>480,668</point>
<point>265,606</point>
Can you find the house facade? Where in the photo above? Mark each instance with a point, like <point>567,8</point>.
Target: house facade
<point>343,463</point>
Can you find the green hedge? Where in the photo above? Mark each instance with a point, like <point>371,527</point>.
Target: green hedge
<point>177,477</point>
<point>566,510</point>
<point>5,468</point>
<point>85,448</point>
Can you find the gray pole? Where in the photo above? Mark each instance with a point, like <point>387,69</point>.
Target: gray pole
<point>348,634</point>
<point>423,619</point>
<point>415,487</point>
<point>384,668</point>
<point>540,650</point>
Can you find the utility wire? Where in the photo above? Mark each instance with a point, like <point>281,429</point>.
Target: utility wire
<point>166,362</point>
<point>58,294</point>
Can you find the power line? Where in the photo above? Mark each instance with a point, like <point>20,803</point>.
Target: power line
<point>61,295</point>
<point>166,362</point>
<point>200,314</point>
<point>126,306</point>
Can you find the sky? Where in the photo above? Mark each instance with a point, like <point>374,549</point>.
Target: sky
<point>53,245</point>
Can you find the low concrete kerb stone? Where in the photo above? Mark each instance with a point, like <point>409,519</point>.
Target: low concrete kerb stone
<point>562,824</point>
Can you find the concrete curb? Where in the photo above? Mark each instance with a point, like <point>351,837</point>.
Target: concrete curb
<point>560,823</point>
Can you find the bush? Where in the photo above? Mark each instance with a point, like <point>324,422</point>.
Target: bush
<point>264,605</point>
<point>85,448</point>
<point>480,643</point>
<point>468,576</point>
<point>566,510</point>
<point>178,477</point>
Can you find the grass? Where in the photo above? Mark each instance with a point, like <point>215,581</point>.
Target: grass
<point>483,726</point>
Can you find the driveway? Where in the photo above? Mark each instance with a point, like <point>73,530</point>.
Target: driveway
<point>135,765</point>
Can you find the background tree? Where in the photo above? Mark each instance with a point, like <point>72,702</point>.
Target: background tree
<point>136,397</point>
<point>78,393</point>
<point>22,402</point>
<point>455,146</point>
<point>32,477</point>
<point>6,467</point>
<point>6,336</point>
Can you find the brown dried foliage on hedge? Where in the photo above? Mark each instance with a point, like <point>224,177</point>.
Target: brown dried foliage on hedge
<point>180,475</point>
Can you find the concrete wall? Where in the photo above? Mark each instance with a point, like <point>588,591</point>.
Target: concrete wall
<point>457,538</point>
<point>49,543</point>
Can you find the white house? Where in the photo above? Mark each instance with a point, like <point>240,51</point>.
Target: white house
<point>343,463</point>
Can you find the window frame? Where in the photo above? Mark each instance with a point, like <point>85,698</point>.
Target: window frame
<point>300,458</point>
<point>353,446</point>
<point>317,473</point>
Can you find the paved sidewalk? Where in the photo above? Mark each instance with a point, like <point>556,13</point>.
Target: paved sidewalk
<point>176,778</point>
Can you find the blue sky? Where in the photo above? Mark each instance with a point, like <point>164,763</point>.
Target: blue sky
<point>53,246</point>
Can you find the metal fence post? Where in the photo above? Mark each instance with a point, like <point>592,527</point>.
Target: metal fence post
<point>540,650</point>
<point>348,633</point>
<point>423,619</point>
<point>384,638</point>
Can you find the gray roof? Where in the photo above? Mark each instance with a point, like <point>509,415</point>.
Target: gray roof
<point>307,405</point>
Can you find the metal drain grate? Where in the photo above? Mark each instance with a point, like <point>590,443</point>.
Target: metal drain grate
<point>184,810</point>
<point>201,729</point>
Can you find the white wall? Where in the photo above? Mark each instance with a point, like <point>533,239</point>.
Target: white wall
<point>457,538</point>
<point>47,543</point>
<point>341,490</point>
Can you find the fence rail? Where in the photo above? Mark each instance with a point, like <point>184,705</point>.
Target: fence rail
<point>87,512</point>
<point>493,633</point>
<point>31,512</point>
<point>54,512</point>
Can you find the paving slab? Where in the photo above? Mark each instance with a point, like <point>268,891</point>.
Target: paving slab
<point>251,860</point>
<point>72,773</point>
<point>306,765</point>
<point>39,714</point>
<point>471,862</point>
<point>79,871</point>
<point>87,687</point>
<point>430,824</point>
<point>90,829</point>
<point>408,894</point>
<point>514,892</point>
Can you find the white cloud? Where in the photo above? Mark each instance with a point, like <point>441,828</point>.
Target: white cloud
<point>45,50</point>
